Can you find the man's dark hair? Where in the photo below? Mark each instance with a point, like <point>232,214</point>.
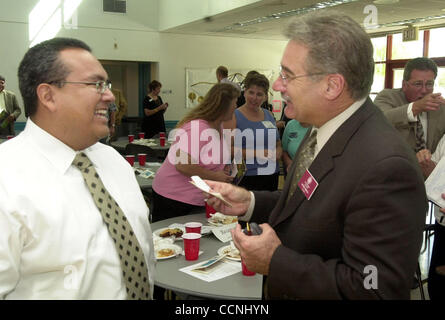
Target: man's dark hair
<point>41,64</point>
<point>2,78</point>
<point>422,63</point>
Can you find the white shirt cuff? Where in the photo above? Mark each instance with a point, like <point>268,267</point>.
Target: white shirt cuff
<point>411,117</point>
<point>246,217</point>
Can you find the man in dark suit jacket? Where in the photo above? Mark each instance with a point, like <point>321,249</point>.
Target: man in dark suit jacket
<point>11,106</point>
<point>356,231</point>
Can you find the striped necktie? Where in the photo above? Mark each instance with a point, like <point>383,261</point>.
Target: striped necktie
<point>420,136</point>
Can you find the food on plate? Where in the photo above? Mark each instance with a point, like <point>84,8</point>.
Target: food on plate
<point>233,253</point>
<point>165,253</point>
<point>229,220</point>
<point>220,218</point>
<point>171,232</point>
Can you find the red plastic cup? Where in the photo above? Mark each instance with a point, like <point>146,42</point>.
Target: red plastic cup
<point>141,135</point>
<point>161,134</point>
<point>246,271</point>
<point>9,137</point>
<point>142,157</point>
<point>209,210</point>
<point>191,245</point>
<point>130,159</point>
<point>193,227</point>
<point>162,141</point>
<point>130,138</point>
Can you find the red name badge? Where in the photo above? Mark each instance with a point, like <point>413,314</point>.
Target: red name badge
<point>308,184</point>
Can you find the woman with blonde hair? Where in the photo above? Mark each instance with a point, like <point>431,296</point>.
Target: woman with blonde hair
<point>199,149</point>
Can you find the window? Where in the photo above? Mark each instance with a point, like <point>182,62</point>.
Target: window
<point>390,62</point>
<point>436,43</point>
<point>379,45</point>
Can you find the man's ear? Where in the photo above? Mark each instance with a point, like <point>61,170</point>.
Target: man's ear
<point>334,86</point>
<point>45,94</point>
<point>404,85</point>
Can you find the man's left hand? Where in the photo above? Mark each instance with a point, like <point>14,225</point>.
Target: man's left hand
<point>256,251</point>
<point>11,118</point>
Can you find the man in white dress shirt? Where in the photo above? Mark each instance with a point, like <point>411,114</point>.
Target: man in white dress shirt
<point>54,243</point>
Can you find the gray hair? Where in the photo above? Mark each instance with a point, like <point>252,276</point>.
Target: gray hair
<point>336,44</point>
<point>422,63</point>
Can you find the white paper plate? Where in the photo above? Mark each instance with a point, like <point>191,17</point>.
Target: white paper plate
<point>176,249</point>
<point>222,251</point>
<point>157,233</point>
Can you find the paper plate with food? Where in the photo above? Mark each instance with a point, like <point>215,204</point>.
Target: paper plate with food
<point>218,219</point>
<point>167,251</point>
<point>170,232</point>
<point>231,252</point>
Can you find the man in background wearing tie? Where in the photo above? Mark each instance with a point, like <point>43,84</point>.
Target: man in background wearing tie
<point>414,110</point>
<point>347,225</point>
<point>73,221</point>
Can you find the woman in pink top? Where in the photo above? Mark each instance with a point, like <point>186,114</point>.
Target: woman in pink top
<point>199,149</point>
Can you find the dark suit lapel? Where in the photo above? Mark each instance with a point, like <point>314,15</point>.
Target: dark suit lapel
<point>323,163</point>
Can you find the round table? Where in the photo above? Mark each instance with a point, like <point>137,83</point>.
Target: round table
<point>168,276</point>
<point>122,142</point>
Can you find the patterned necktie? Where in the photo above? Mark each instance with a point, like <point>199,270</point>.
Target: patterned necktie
<point>420,136</point>
<point>303,162</point>
<point>131,257</point>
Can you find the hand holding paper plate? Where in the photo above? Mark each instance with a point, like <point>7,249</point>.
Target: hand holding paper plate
<point>200,184</point>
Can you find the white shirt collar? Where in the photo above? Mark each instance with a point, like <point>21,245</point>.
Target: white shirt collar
<point>329,128</point>
<point>57,152</point>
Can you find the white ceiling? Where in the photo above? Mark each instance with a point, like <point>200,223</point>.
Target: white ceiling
<point>224,24</point>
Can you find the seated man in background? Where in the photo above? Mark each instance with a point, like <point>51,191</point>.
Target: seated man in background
<point>73,221</point>
<point>414,110</point>
<point>9,109</point>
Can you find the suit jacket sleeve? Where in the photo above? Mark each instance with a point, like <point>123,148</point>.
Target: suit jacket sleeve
<point>393,106</point>
<point>265,201</point>
<point>14,108</point>
<point>377,231</point>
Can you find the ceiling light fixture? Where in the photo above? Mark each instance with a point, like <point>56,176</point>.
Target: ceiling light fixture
<point>329,4</point>
<point>289,13</point>
<point>385,1</point>
<point>410,21</point>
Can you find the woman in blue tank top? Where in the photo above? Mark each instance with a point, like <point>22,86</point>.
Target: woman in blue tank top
<point>256,137</point>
